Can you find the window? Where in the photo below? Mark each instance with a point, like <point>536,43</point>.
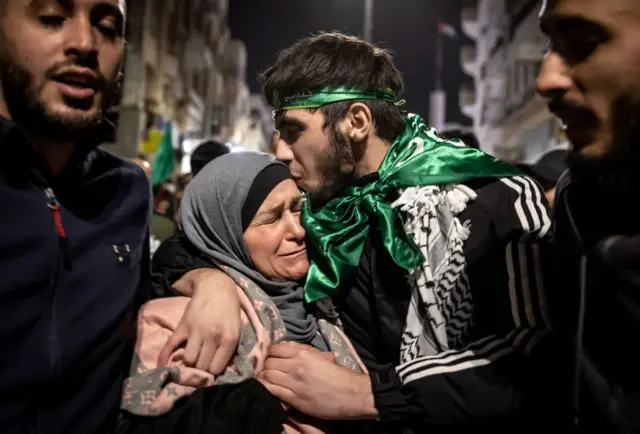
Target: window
<point>507,93</point>
<point>187,10</point>
<point>204,85</point>
<point>201,21</point>
<point>150,77</point>
<point>195,81</point>
<point>173,39</point>
<point>156,19</point>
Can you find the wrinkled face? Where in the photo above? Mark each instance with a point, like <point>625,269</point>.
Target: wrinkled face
<point>321,159</point>
<point>275,237</point>
<point>60,61</point>
<point>591,78</point>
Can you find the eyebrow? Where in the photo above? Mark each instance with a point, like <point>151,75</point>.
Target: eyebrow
<point>37,4</point>
<point>285,122</point>
<point>277,209</point>
<point>68,5</point>
<point>550,23</point>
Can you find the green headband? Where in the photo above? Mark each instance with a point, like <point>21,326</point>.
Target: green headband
<point>328,95</point>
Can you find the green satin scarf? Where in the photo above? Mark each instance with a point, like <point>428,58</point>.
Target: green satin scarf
<point>337,232</point>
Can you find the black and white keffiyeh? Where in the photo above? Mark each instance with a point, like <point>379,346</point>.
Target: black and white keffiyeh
<point>440,311</point>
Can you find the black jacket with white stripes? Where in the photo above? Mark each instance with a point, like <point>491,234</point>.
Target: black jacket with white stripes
<point>502,380</point>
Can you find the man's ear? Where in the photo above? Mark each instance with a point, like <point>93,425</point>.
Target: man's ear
<point>358,124</point>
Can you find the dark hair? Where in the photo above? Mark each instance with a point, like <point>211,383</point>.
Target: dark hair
<point>205,153</point>
<point>467,138</point>
<point>332,59</point>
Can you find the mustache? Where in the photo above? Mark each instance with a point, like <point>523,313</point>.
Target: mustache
<point>99,80</point>
<point>558,106</point>
<point>565,109</point>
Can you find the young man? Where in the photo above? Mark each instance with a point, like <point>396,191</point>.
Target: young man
<point>430,250</point>
<point>590,78</point>
<point>74,219</point>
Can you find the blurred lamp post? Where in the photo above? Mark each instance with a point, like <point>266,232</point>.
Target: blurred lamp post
<point>368,20</point>
<point>131,111</point>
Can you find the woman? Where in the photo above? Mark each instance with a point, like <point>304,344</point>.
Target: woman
<point>242,212</point>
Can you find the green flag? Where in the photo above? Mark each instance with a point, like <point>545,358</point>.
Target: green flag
<point>162,169</point>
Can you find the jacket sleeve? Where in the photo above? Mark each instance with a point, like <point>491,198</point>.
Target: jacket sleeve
<point>144,283</point>
<point>494,381</point>
<point>174,258</point>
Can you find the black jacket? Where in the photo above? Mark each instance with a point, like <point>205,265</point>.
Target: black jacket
<point>72,257</point>
<point>597,229</point>
<point>244,408</point>
<point>500,380</point>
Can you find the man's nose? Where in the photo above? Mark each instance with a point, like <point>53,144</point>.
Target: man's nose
<point>553,77</point>
<point>82,38</point>
<point>283,151</point>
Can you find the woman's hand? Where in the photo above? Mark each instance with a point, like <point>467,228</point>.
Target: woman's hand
<point>211,323</point>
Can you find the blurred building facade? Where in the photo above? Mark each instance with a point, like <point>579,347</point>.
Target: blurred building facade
<point>181,66</point>
<point>254,128</point>
<point>509,118</point>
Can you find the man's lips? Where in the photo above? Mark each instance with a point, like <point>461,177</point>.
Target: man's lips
<point>77,83</point>
<point>579,124</point>
<point>75,92</point>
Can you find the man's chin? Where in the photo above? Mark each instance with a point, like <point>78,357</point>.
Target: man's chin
<point>79,111</point>
<point>71,125</point>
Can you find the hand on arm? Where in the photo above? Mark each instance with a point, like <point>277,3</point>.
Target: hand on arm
<point>314,384</point>
<point>211,323</point>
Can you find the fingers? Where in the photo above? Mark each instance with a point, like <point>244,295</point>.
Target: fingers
<point>282,365</point>
<point>172,344</point>
<point>290,350</point>
<point>206,355</point>
<point>277,378</point>
<point>225,351</point>
<point>192,350</point>
<point>286,350</point>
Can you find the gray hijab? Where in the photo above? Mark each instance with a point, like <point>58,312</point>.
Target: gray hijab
<point>211,213</point>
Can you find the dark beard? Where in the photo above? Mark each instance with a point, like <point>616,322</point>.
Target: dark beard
<point>337,168</point>
<point>624,156</point>
<point>32,115</point>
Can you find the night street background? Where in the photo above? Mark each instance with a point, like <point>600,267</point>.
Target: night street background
<point>407,27</point>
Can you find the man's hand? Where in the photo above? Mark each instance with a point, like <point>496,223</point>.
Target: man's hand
<point>314,384</point>
<point>211,323</point>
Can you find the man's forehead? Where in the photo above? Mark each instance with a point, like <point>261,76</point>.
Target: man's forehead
<point>592,10</point>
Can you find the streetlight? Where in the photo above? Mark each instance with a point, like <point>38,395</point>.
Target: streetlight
<point>368,20</point>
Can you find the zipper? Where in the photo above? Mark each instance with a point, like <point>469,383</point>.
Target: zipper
<point>62,262</point>
<point>582,311</point>
<point>54,205</point>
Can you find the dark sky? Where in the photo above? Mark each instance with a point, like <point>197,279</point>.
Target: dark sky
<point>407,27</point>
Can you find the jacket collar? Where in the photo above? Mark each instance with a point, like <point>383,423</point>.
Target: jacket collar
<point>14,142</point>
